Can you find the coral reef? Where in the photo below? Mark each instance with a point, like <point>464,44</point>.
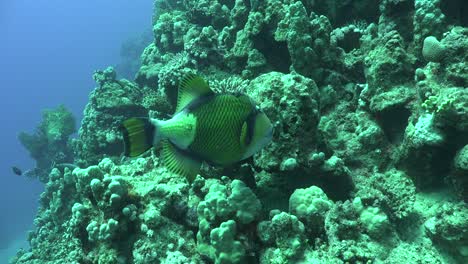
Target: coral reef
<point>49,144</point>
<point>109,104</point>
<point>284,238</point>
<point>369,158</point>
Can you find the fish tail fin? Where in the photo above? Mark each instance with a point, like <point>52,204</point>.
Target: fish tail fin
<point>139,135</point>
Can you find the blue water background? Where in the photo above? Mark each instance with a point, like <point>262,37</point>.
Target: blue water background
<point>48,52</point>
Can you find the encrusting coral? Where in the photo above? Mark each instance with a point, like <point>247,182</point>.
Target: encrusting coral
<point>49,144</point>
<point>368,162</point>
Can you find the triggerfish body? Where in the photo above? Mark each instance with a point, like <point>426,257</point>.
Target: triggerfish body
<point>219,129</point>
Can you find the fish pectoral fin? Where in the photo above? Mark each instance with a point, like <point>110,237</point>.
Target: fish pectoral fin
<point>178,162</point>
<point>191,87</point>
<point>244,136</point>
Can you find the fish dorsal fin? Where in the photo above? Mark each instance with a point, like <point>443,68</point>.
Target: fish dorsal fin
<point>179,163</point>
<point>244,98</point>
<point>191,87</point>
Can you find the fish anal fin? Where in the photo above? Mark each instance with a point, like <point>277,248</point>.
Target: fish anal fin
<point>179,163</point>
<point>191,87</point>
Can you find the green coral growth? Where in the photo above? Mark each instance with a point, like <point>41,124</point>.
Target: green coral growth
<point>49,144</point>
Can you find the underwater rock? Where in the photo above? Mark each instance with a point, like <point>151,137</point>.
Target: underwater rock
<point>388,63</point>
<point>448,229</point>
<point>459,178</point>
<point>422,149</point>
<point>49,144</point>
<point>393,191</point>
<point>109,104</point>
<point>107,75</point>
<point>427,152</point>
<point>227,249</point>
<point>237,206</point>
<point>428,21</point>
<point>454,69</point>
<point>310,206</point>
<point>433,50</point>
<point>91,219</point>
<point>291,100</point>
<point>358,232</point>
<point>284,236</point>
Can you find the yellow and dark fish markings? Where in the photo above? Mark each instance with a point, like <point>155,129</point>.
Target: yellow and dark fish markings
<point>219,129</point>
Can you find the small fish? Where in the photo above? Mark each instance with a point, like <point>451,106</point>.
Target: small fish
<point>17,170</point>
<point>219,129</point>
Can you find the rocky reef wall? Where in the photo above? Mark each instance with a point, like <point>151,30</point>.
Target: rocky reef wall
<point>369,158</point>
